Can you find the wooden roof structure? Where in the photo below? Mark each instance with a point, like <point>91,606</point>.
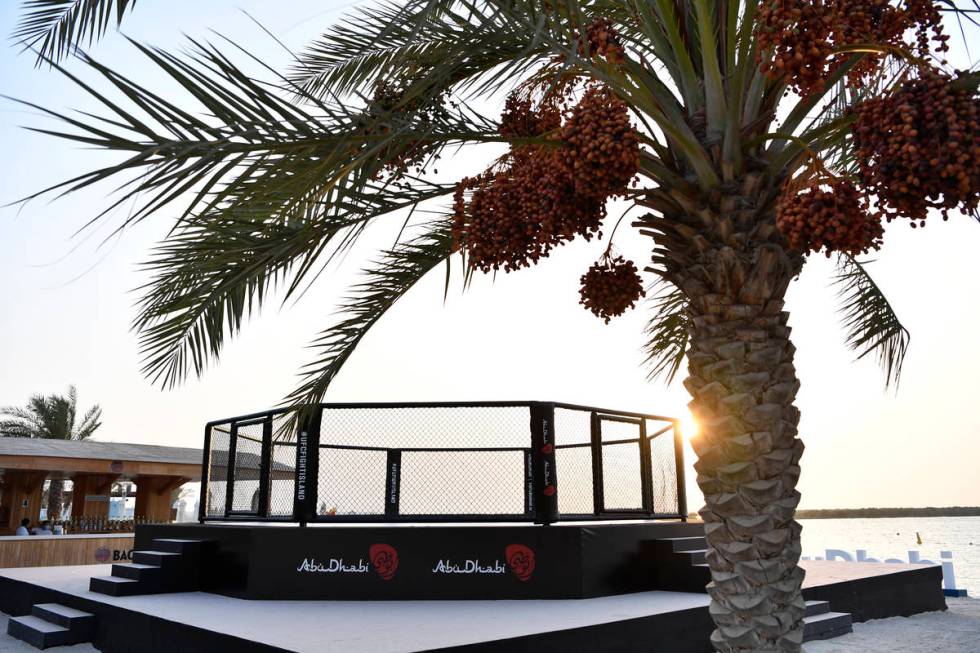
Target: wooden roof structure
<point>69,457</point>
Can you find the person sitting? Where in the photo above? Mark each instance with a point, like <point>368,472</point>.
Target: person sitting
<point>23,528</point>
<point>44,528</point>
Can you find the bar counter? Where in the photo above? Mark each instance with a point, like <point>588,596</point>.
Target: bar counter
<point>53,550</point>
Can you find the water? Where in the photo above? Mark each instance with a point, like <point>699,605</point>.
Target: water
<point>895,537</point>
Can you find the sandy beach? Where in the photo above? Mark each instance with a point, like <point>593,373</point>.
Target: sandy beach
<point>955,631</point>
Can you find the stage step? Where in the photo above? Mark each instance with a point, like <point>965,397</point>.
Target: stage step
<point>137,571</point>
<point>826,626</point>
<point>114,586</point>
<point>697,557</point>
<point>172,565</point>
<point>679,544</point>
<point>52,624</point>
<point>156,558</point>
<point>813,608</point>
<point>174,545</point>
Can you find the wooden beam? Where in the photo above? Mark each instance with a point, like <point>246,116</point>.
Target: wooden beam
<point>153,497</point>
<point>127,468</point>
<point>91,485</point>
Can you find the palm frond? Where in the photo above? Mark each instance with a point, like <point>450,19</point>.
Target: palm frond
<point>90,423</point>
<point>16,429</point>
<point>394,274</point>
<point>54,28</point>
<point>215,270</point>
<point>49,416</point>
<point>390,39</point>
<point>252,150</point>
<point>668,332</point>
<point>870,322</point>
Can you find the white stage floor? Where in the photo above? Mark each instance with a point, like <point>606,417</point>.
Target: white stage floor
<point>400,626</point>
<point>365,626</point>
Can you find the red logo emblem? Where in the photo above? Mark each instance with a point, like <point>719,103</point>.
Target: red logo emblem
<point>384,557</point>
<point>102,554</point>
<point>521,560</point>
<point>548,449</point>
<point>549,490</point>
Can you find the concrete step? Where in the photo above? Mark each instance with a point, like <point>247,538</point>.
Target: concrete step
<point>177,545</point>
<point>696,557</point>
<point>678,544</point>
<point>77,621</point>
<point>813,608</point>
<point>137,571</point>
<point>683,577</point>
<point>37,632</point>
<point>156,558</point>
<point>826,626</point>
<point>116,586</point>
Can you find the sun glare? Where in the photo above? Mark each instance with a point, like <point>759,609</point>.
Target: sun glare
<point>689,427</point>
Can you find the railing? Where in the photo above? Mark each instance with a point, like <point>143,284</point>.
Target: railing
<point>441,462</point>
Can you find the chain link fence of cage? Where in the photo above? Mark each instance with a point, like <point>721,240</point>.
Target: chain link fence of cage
<point>351,482</point>
<point>573,461</point>
<point>282,460</point>
<point>622,477</point>
<point>454,460</point>
<point>247,470</point>
<point>416,427</point>
<point>489,483</point>
<point>220,444</point>
<point>432,480</point>
<point>663,470</point>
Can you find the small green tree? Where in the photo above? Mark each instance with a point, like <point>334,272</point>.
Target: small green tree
<point>51,417</point>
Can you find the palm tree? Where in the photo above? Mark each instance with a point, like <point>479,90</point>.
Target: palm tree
<point>757,133</point>
<point>53,417</point>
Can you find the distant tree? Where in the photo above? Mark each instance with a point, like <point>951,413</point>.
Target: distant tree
<point>52,417</point>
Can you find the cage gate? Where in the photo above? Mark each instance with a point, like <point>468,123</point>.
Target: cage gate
<point>248,464</point>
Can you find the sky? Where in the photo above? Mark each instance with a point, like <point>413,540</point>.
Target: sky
<point>67,295</point>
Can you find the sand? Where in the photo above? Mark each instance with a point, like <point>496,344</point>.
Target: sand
<point>955,631</point>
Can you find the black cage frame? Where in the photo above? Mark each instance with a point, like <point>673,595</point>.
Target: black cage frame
<point>542,472</point>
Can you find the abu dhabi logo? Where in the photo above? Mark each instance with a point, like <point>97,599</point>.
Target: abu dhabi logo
<point>520,559</point>
<point>383,557</point>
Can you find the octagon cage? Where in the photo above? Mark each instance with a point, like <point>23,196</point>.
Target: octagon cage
<point>538,462</point>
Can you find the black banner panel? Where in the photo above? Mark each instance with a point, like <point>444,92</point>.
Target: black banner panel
<point>423,562</point>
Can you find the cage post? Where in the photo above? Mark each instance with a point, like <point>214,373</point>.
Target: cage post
<point>529,489</point>
<point>202,503</point>
<point>393,484</point>
<point>646,469</point>
<point>265,467</point>
<point>679,466</point>
<point>595,446</point>
<point>232,468</point>
<point>544,470</point>
<point>307,464</point>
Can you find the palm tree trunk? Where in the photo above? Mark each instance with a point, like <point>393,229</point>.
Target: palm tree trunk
<point>743,385</point>
<point>56,498</point>
<point>725,254</point>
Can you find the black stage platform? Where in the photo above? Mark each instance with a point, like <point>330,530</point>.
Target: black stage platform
<point>652,622</point>
<point>521,561</point>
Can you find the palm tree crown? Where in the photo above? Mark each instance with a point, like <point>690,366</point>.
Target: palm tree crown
<point>51,416</point>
